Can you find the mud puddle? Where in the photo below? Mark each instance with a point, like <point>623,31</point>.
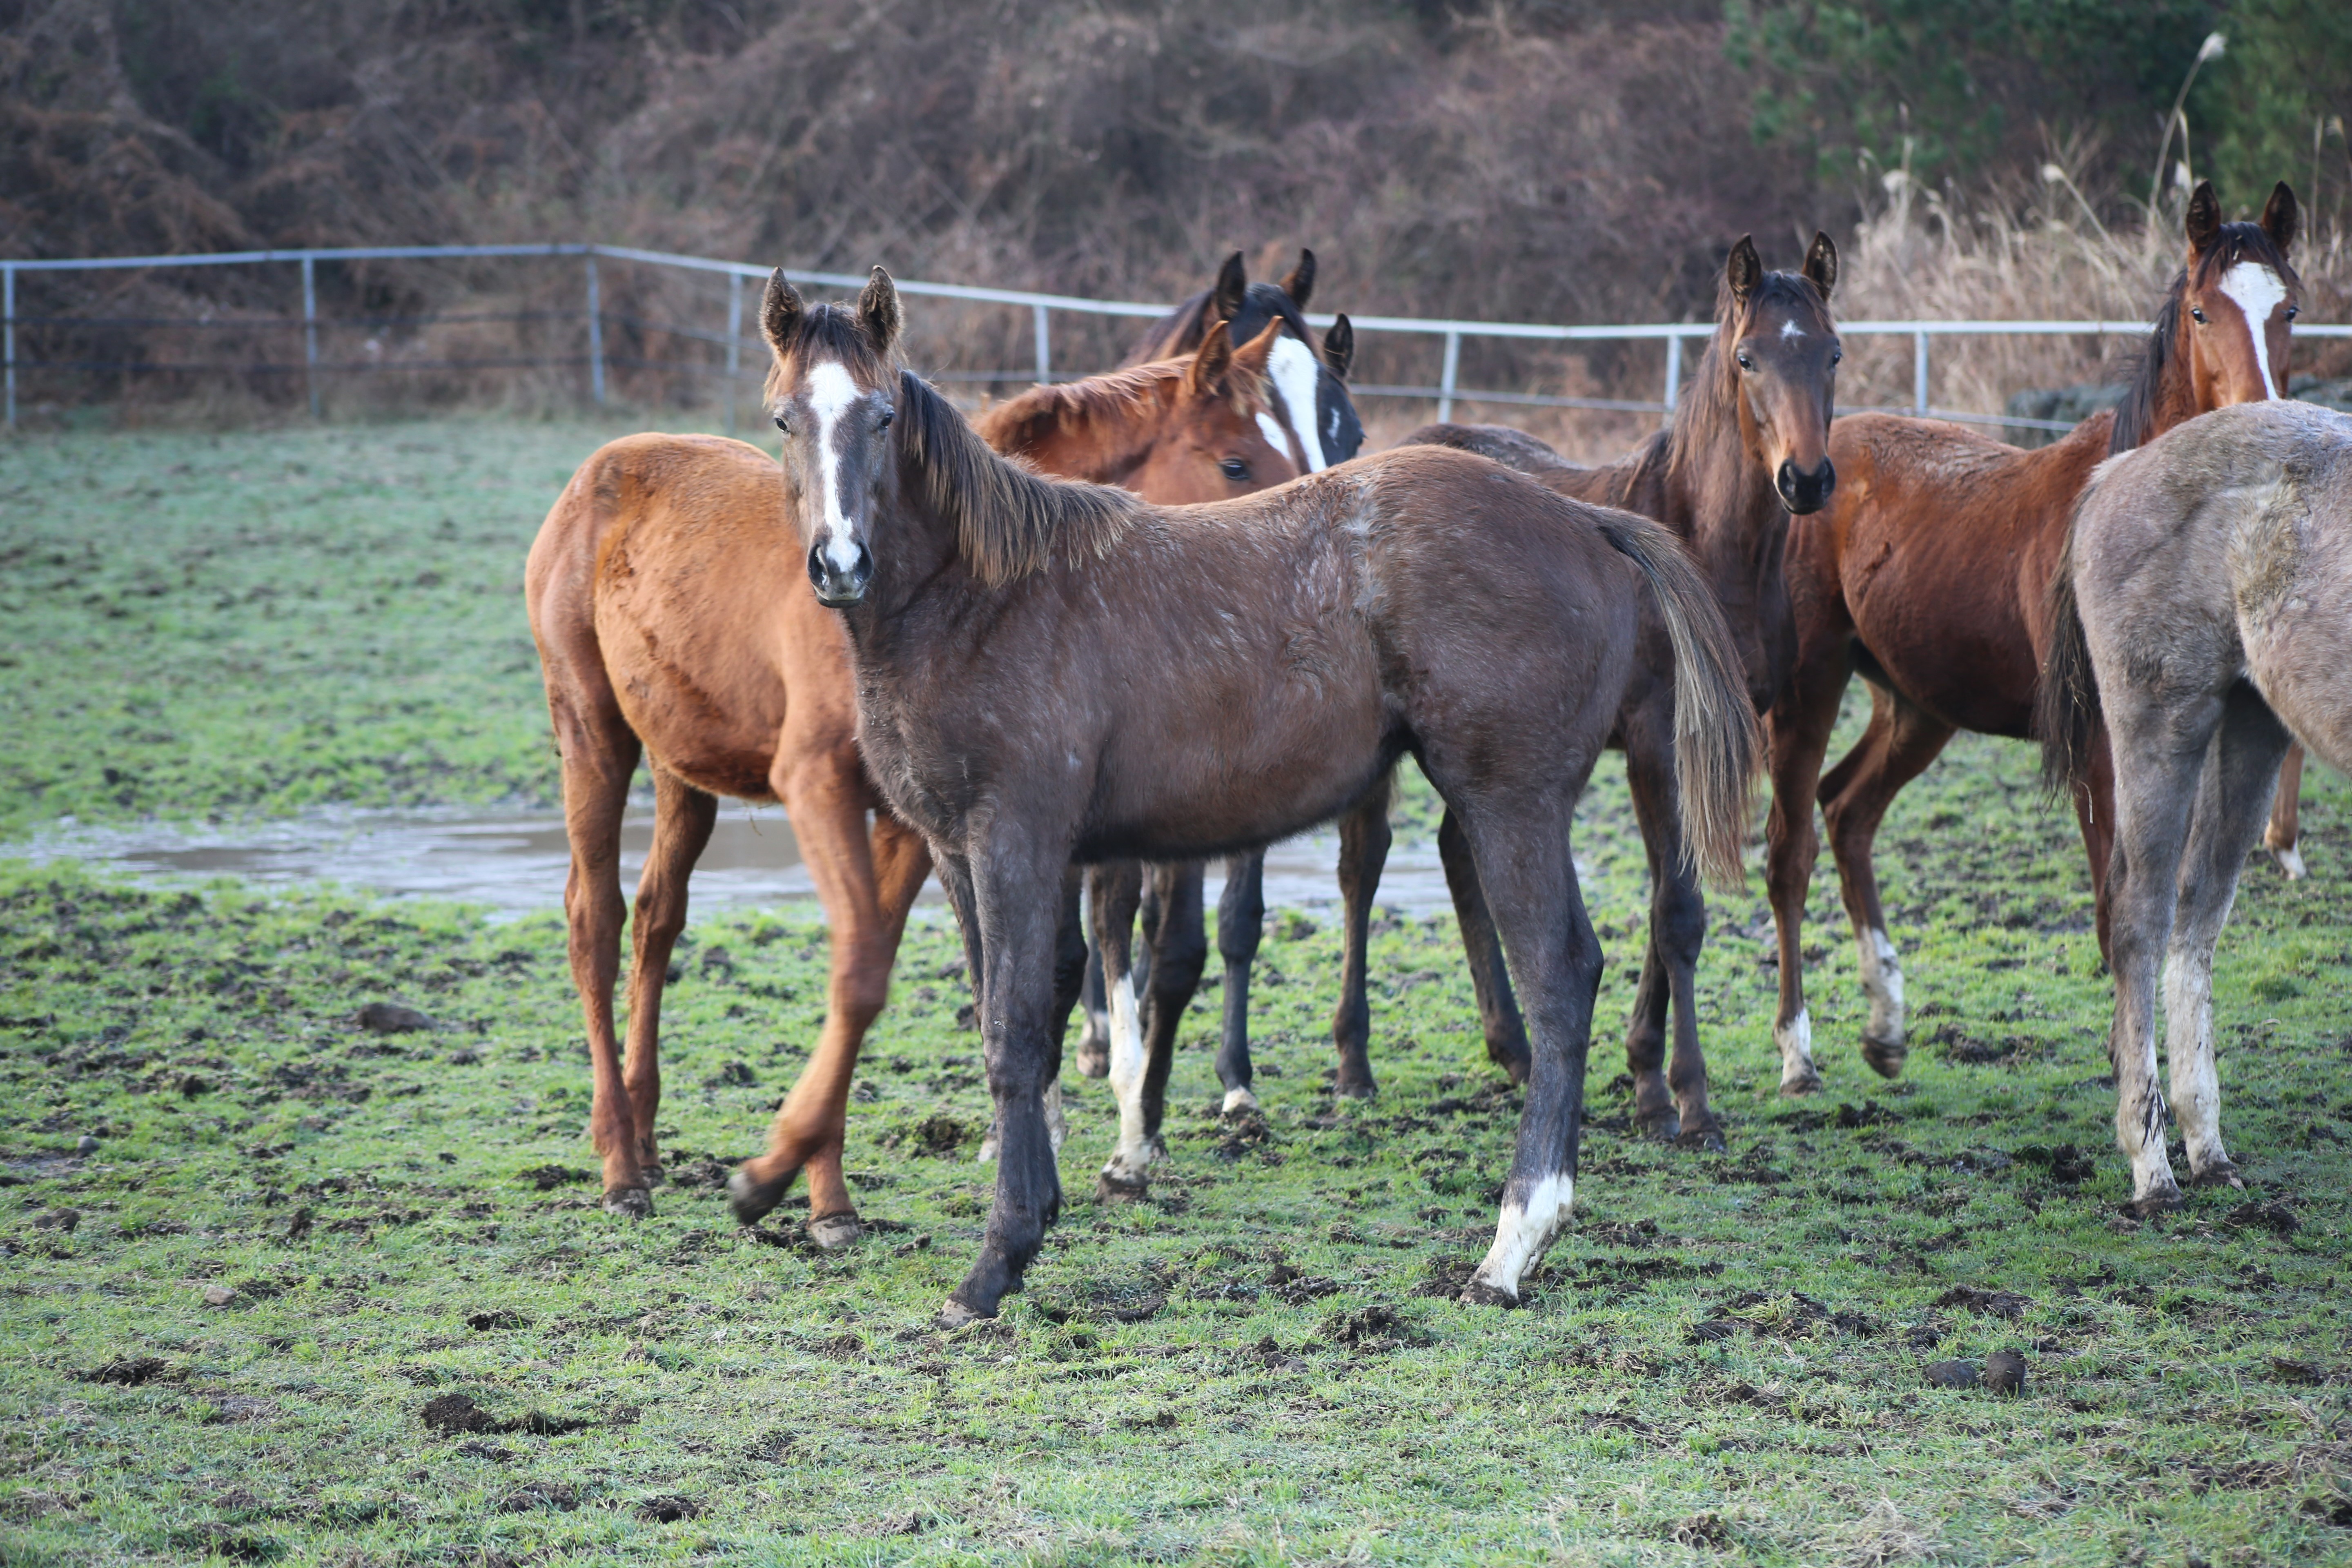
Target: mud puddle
<point>513,860</point>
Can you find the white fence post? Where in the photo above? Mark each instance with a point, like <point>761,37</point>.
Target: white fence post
<point>1445,377</point>
<point>1673,373</point>
<point>1044,346</point>
<point>734,342</point>
<point>1919,374</point>
<point>595,335</point>
<point>310,329</point>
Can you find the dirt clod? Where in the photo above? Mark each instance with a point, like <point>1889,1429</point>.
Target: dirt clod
<point>547,1178</point>
<point>1994,1303</point>
<point>219,1295</point>
<point>668,1509</point>
<point>391,1018</point>
<point>450,1414</point>
<point>499,1318</point>
<point>2273,1216</point>
<point>130,1372</point>
<point>557,1495</point>
<point>490,1452</point>
<point>1954,1374</point>
<point>2004,1372</point>
<point>1370,1331</point>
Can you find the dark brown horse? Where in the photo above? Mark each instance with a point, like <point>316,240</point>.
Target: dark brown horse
<point>1927,576</point>
<point>1747,447</point>
<point>673,622</point>
<point>1310,408</point>
<point>1049,672</point>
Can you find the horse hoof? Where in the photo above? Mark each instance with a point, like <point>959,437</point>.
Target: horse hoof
<point>1239,1102</point>
<point>2290,862</point>
<point>1355,1089</point>
<point>832,1232</point>
<point>1478,1293</point>
<point>2161,1200</point>
<point>1119,1187</point>
<point>1885,1058</point>
<point>1706,1139</point>
<point>1093,1059</point>
<point>629,1203</point>
<point>1807,1082</point>
<point>1662,1125</point>
<point>955,1315</point>
<point>2222,1174</point>
<point>751,1199</point>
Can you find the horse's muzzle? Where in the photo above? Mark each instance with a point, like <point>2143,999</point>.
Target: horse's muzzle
<point>837,589</point>
<point>1805,490</point>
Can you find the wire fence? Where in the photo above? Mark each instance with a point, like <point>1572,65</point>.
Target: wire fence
<point>80,356</point>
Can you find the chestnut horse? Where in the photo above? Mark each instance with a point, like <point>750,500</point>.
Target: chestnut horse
<point>1747,447</point>
<point>2200,615</point>
<point>1048,672</point>
<point>1927,576</point>
<point>1312,410</point>
<point>673,619</point>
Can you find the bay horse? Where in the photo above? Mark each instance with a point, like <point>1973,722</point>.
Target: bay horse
<point>1311,413</point>
<point>1050,671</point>
<point>1929,575</point>
<point>1747,447</point>
<point>673,622</point>
<point>2201,619</point>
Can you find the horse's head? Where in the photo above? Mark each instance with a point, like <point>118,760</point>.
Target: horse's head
<point>1308,393</point>
<point>1221,440</point>
<point>1783,355</point>
<point>833,392</point>
<point>2232,304</point>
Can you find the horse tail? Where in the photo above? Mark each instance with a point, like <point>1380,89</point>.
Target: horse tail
<point>2067,715</point>
<point>1718,747</point>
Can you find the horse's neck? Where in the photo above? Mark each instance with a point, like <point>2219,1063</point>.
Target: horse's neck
<point>1082,440</point>
<point>1720,500</point>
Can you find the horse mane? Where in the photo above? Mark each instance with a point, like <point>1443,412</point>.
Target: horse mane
<point>1009,521</point>
<point>2142,404</point>
<point>1123,398</point>
<point>1709,399</point>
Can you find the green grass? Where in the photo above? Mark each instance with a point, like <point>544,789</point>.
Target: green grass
<point>1723,1363</point>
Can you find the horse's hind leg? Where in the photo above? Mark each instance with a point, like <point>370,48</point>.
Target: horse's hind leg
<point>1364,839</point>
<point>1115,891</point>
<point>599,756</point>
<point>683,815</point>
<point>1241,924</point>
<point>1522,853</point>
<point>822,782</point>
<point>2159,753</point>
<point>1896,748</point>
<point>2281,837</point>
<point>1094,1037</point>
<point>1490,981</point>
<point>1672,1104</point>
<point>1801,720</point>
<point>1178,947</point>
<point>2231,807</point>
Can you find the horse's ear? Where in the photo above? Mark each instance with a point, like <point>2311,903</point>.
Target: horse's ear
<point>779,312</point>
<point>877,309</point>
<point>2281,215</point>
<point>1301,281</point>
<point>1744,269</point>
<point>1339,347</point>
<point>2203,221</point>
<point>1211,363</point>
<point>1820,263</point>
<point>1232,287</point>
<point>1250,356</point>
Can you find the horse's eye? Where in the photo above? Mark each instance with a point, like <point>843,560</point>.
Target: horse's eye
<point>2293,312</point>
<point>888,415</point>
<point>1235,469</point>
<point>1745,363</point>
<point>2196,315</point>
<point>1837,356</point>
<point>781,425</point>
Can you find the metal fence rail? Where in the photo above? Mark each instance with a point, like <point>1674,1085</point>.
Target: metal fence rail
<point>1042,307</point>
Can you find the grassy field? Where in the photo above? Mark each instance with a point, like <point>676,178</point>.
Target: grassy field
<point>315,1294</point>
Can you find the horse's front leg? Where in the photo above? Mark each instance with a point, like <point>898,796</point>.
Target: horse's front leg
<point>1114,892</point>
<point>1178,946</point>
<point>1668,989</point>
<point>1016,896</point>
<point>1241,924</point>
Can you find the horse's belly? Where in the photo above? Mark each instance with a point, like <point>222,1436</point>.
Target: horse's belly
<point>1960,652</point>
<point>716,727</point>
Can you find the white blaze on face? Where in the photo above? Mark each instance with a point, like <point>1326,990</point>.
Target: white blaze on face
<point>2257,290</point>
<point>1297,376</point>
<point>1275,435</point>
<point>832,394</point>
<point>1791,329</point>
